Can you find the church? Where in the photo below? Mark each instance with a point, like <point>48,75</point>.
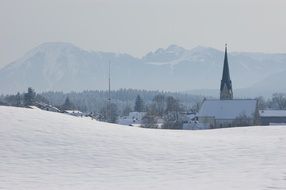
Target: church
<point>227,111</point>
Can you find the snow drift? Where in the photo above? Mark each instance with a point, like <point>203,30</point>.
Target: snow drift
<point>45,150</point>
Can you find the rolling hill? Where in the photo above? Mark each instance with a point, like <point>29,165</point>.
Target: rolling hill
<point>45,150</point>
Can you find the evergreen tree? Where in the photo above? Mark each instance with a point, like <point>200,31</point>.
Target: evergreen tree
<point>18,100</point>
<point>11,100</point>
<point>139,104</point>
<point>40,98</point>
<point>29,97</point>
<point>68,105</point>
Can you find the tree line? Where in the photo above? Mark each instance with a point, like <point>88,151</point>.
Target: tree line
<point>160,107</point>
<point>123,101</point>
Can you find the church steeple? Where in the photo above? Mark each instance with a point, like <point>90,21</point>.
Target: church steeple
<point>226,86</point>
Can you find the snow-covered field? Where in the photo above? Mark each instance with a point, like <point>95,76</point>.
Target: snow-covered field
<point>45,150</point>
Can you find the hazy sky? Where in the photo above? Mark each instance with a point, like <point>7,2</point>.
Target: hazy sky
<point>138,26</point>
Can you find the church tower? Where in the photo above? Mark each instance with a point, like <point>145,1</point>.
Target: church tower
<point>226,86</point>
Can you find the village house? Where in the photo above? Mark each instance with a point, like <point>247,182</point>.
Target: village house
<point>272,117</point>
<point>133,119</point>
<point>76,113</point>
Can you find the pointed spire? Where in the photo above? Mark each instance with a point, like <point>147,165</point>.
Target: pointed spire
<point>226,86</point>
<point>225,74</point>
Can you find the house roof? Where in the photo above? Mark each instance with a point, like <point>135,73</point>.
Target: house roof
<point>73,111</point>
<point>272,113</point>
<point>228,109</point>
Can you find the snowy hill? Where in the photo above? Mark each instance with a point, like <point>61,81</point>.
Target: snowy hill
<point>65,67</point>
<point>45,150</point>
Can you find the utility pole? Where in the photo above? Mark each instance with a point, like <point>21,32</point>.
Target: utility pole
<point>109,98</point>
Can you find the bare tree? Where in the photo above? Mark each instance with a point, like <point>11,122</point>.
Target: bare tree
<point>126,110</point>
<point>159,104</point>
<point>149,120</point>
<point>279,100</point>
<point>109,113</point>
<point>261,103</point>
<point>242,120</point>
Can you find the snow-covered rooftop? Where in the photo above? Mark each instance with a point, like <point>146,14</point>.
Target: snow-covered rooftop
<point>228,109</point>
<point>41,150</point>
<point>73,111</point>
<point>272,113</point>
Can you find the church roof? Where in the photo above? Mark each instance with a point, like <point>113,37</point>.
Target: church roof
<point>228,109</point>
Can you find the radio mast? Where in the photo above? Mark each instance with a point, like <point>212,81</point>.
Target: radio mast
<point>109,98</point>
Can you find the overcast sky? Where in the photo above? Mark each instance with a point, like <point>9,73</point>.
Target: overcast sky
<point>139,26</point>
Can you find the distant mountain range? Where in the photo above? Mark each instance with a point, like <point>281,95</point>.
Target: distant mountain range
<point>65,67</point>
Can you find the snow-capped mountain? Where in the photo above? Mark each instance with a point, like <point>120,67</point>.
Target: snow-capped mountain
<point>60,66</point>
<point>65,67</point>
<point>170,55</point>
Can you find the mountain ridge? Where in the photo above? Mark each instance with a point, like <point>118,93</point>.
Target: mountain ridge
<point>62,66</point>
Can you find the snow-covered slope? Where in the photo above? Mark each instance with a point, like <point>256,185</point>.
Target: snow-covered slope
<point>45,150</point>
